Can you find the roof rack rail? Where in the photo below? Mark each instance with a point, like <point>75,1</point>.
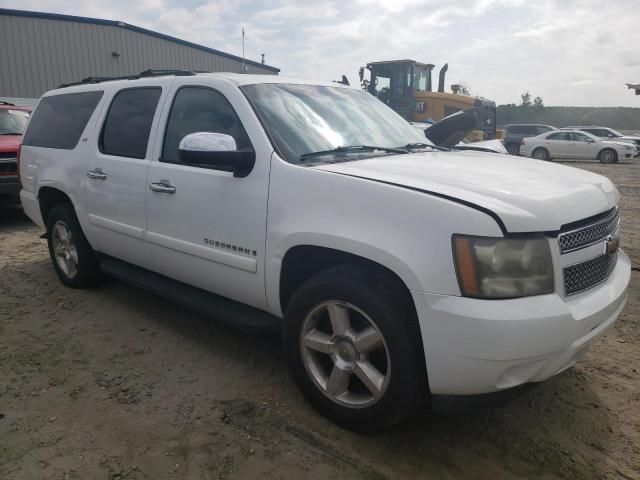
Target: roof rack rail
<point>144,74</point>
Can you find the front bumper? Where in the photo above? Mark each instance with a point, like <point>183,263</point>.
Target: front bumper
<point>477,346</point>
<point>9,190</point>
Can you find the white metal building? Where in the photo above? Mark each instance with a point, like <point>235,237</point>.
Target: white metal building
<point>40,51</point>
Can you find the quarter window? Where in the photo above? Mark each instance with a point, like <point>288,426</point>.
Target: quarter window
<point>200,109</point>
<point>59,120</point>
<point>126,129</point>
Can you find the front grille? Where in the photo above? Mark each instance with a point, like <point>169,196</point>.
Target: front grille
<point>8,155</point>
<point>582,276</point>
<point>8,167</point>
<point>590,234</point>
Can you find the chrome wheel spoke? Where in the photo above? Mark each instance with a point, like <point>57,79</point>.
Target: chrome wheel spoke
<point>58,249</point>
<point>370,377</point>
<point>318,341</point>
<point>62,232</point>
<point>367,340</point>
<point>339,316</point>
<point>338,382</point>
<point>73,254</point>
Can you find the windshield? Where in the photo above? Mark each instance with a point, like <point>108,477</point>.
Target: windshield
<point>304,119</point>
<point>13,122</point>
<point>615,132</point>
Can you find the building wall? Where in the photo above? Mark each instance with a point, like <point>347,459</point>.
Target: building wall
<point>38,54</point>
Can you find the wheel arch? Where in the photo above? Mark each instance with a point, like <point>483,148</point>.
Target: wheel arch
<point>300,262</point>
<point>49,197</point>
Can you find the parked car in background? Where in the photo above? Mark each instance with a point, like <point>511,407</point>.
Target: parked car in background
<point>397,273</point>
<point>576,144</point>
<point>516,132</point>
<point>13,120</point>
<point>608,133</point>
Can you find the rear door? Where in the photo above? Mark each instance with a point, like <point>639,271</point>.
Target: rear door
<point>116,174</point>
<point>558,144</point>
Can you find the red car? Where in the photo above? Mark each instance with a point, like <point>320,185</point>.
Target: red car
<point>13,120</point>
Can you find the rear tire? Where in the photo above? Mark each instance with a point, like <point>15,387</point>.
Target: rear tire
<point>513,148</point>
<point>352,340</point>
<point>608,155</point>
<point>73,258</point>
<point>541,154</point>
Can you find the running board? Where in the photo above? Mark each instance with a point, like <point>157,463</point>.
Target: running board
<point>209,304</point>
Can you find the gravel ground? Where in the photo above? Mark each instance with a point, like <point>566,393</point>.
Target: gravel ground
<point>115,383</point>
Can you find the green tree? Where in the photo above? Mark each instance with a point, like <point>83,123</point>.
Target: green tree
<point>526,99</point>
<point>537,102</point>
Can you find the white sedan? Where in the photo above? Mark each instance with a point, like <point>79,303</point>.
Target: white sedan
<point>576,145</point>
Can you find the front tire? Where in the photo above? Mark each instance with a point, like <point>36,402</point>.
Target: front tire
<point>352,341</point>
<point>608,156</point>
<point>73,258</point>
<point>541,154</point>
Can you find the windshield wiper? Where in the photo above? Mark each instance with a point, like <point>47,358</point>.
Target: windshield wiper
<point>352,148</point>
<point>412,146</point>
<point>11,133</point>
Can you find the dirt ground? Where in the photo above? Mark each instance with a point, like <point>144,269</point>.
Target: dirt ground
<point>115,383</point>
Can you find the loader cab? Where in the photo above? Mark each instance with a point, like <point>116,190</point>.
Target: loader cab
<point>397,82</point>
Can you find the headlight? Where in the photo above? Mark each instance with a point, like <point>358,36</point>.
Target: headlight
<point>503,267</point>
<point>628,147</point>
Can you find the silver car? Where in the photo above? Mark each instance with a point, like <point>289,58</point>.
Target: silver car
<point>574,144</point>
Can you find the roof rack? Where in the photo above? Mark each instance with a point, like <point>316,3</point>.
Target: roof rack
<point>2,102</point>
<point>144,74</point>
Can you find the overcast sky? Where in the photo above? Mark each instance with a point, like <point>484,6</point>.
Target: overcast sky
<point>570,52</point>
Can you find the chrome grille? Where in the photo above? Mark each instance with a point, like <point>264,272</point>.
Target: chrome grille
<point>584,275</point>
<point>590,234</point>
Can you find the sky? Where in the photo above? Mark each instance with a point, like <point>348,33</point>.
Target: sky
<point>569,52</point>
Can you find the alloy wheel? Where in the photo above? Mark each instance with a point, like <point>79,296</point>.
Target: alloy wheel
<point>345,354</point>
<point>64,249</point>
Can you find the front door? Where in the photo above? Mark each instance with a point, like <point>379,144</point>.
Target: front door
<point>206,227</point>
<point>582,146</point>
<point>116,175</point>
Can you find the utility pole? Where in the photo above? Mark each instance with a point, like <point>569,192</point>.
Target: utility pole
<point>243,67</point>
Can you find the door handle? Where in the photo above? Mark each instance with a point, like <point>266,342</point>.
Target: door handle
<point>97,174</point>
<point>163,186</point>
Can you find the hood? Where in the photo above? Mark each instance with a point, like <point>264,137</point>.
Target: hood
<point>616,143</point>
<point>10,143</point>
<point>526,195</point>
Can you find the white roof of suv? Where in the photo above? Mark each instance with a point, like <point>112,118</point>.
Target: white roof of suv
<point>238,79</point>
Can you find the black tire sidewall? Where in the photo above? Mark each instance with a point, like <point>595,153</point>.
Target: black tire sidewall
<point>407,388</point>
<point>88,271</point>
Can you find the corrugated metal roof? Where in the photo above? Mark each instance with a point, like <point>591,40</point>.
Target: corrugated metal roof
<point>114,23</point>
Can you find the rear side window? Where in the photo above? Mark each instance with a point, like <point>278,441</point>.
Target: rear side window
<point>59,120</point>
<point>559,136</point>
<point>126,129</point>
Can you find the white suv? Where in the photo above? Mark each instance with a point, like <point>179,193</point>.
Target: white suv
<point>397,272</point>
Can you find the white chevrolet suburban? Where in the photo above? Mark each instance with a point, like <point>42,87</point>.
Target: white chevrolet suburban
<point>397,271</point>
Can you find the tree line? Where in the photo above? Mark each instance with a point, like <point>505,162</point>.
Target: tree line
<point>532,110</point>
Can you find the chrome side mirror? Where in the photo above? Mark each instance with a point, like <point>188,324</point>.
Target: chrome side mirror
<point>217,151</point>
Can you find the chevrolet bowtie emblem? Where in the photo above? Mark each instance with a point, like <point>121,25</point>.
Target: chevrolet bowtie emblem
<point>612,245</point>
